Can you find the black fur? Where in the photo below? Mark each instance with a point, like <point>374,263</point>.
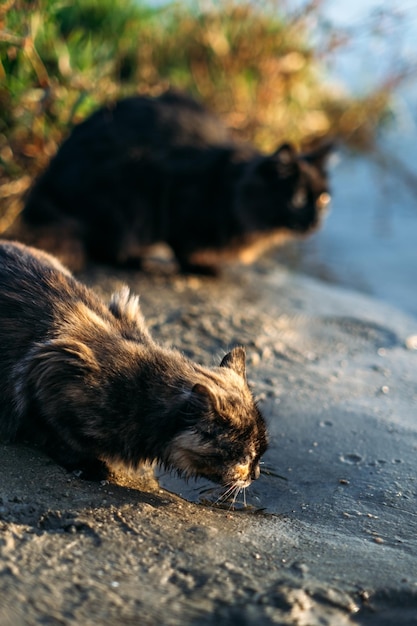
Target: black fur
<point>88,383</point>
<point>144,171</point>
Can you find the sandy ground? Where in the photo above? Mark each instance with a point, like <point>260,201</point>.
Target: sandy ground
<point>331,533</point>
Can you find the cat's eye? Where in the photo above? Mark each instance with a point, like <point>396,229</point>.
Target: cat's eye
<point>299,199</point>
<point>323,200</point>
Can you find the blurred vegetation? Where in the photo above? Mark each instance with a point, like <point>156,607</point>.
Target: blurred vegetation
<point>252,64</point>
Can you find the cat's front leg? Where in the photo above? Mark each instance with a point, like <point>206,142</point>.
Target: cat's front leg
<point>188,266</point>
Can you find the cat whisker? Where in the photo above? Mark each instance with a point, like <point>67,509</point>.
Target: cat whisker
<point>237,490</point>
<point>227,493</point>
<point>235,495</point>
<point>223,496</point>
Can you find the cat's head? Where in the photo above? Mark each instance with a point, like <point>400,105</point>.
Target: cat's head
<point>286,190</point>
<point>223,433</point>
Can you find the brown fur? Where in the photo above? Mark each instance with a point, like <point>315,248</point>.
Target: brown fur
<point>88,383</point>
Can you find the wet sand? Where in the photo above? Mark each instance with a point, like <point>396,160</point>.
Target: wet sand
<point>329,533</point>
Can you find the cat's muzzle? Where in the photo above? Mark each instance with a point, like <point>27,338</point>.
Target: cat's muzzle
<point>323,201</point>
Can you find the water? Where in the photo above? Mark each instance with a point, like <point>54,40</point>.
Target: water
<point>369,241</point>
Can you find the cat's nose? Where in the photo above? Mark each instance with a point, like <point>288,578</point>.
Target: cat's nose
<point>323,201</point>
<point>255,472</point>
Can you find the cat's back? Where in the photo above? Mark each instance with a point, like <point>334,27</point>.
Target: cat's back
<point>30,291</point>
<point>26,275</point>
<point>189,123</point>
<point>31,285</point>
<point>35,290</point>
<point>171,120</point>
<point>28,272</point>
<point>131,139</point>
<point>40,298</point>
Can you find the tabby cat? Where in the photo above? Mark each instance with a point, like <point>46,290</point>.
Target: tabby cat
<point>87,382</point>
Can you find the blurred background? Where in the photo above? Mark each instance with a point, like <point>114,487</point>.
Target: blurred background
<point>274,70</point>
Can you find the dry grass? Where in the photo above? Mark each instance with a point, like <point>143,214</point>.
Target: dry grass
<point>253,65</point>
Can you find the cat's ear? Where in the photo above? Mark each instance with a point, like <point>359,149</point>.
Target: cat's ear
<point>201,393</point>
<point>282,162</point>
<point>236,360</point>
<point>203,400</point>
<point>319,155</point>
<point>285,154</point>
<point>200,399</point>
<point>197,401</point>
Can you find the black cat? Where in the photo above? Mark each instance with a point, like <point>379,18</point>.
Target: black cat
<point>88,383</point>
<point>145,171</point>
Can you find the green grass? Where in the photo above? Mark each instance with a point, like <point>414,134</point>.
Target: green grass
<point>253,65</point>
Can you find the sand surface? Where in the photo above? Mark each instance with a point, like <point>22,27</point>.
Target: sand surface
<point>329,533</point>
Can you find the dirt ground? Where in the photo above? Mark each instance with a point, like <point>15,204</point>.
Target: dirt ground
<point>333,543</point>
